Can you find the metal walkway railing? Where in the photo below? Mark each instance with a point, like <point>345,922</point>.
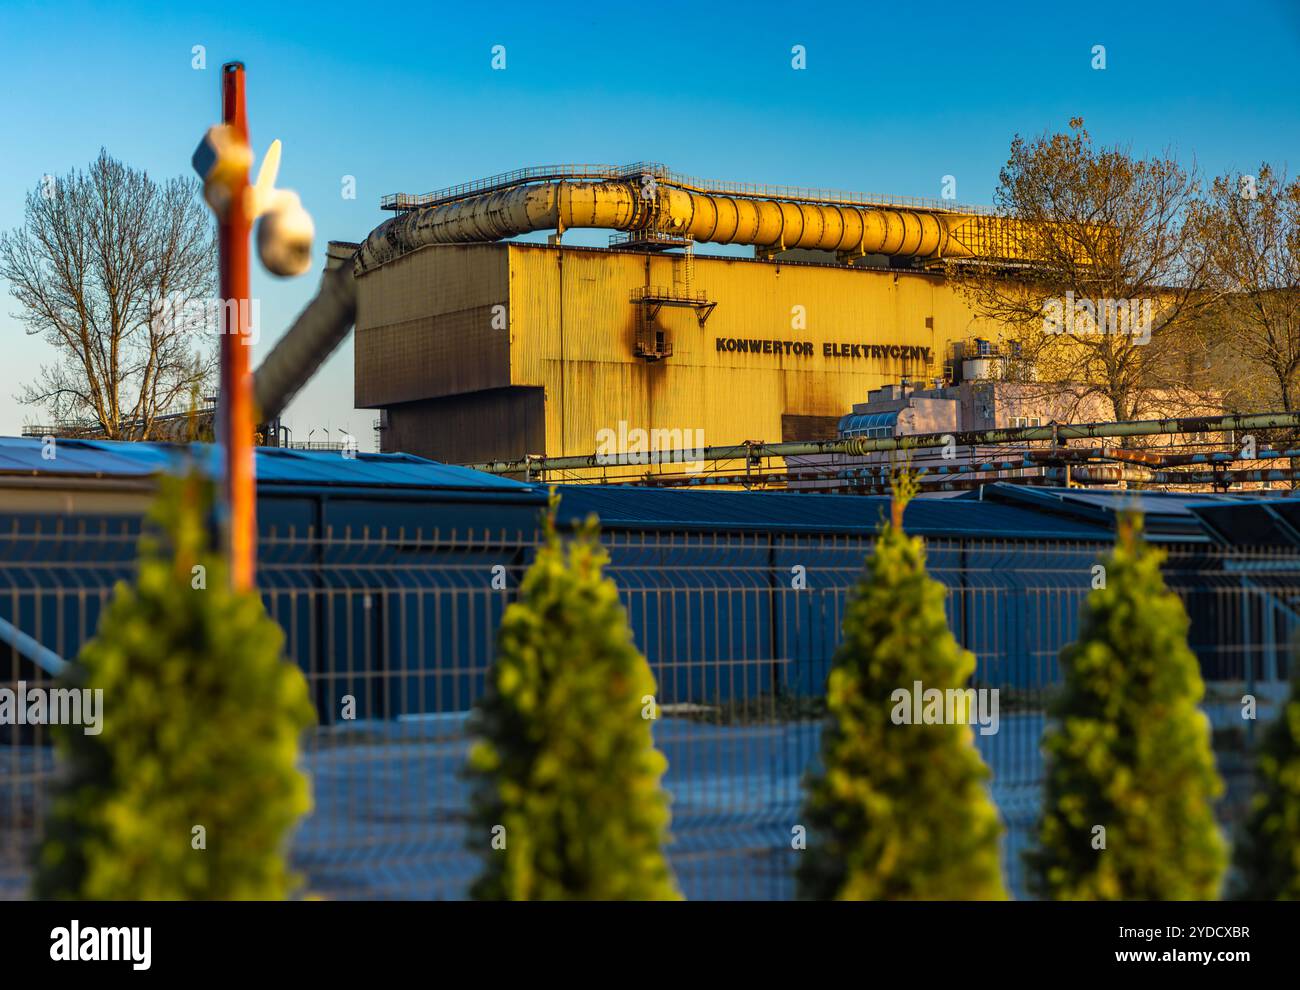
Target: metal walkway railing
<point>661,173</point>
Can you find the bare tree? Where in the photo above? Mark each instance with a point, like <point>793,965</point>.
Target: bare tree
<point>1100,247</point>
<point>102,267</point>
<point>1252,224</point>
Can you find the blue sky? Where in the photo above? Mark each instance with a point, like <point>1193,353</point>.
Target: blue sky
<point>403,97</point>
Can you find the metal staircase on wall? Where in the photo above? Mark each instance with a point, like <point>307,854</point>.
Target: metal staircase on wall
<point>652,340</point>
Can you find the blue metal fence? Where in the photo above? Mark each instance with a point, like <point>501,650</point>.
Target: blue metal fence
<point>739,631</point>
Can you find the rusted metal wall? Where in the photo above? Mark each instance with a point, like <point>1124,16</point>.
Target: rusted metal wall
<point>425,331</point>
<point>573,326</point>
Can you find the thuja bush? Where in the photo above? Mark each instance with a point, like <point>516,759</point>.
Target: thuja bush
<point>1128,801</point>
<point>567,803</point>
<point>898,811</point>
<point>190,789</point>
<point>1268,854</point>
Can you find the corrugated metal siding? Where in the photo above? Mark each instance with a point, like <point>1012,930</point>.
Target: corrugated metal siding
<point>572,328</point>
<point>490,425</point>
<point>447,354</point>
<point>425,326</point>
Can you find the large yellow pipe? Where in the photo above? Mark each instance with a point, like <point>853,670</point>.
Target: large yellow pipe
<point>707,217</point>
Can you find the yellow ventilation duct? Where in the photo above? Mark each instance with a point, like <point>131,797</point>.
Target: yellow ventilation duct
<point>650,198</point>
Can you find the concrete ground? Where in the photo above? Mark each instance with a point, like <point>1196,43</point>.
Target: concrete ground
<point>390,817</point>
<point>390,805</point>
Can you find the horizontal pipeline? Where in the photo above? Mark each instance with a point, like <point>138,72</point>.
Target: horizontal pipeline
<point>861,445</point>
<point>771,223</point>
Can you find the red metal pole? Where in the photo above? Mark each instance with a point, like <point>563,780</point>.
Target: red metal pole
<point>235,421</point>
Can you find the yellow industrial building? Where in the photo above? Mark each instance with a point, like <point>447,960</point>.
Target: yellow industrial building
<point>476,348</point>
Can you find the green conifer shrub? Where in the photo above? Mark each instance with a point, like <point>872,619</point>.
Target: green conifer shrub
<point>898,811</point>
<point>567,802</point>
<point>1268,854</point>
<point>1127,748</point>
<point>201,722</point>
